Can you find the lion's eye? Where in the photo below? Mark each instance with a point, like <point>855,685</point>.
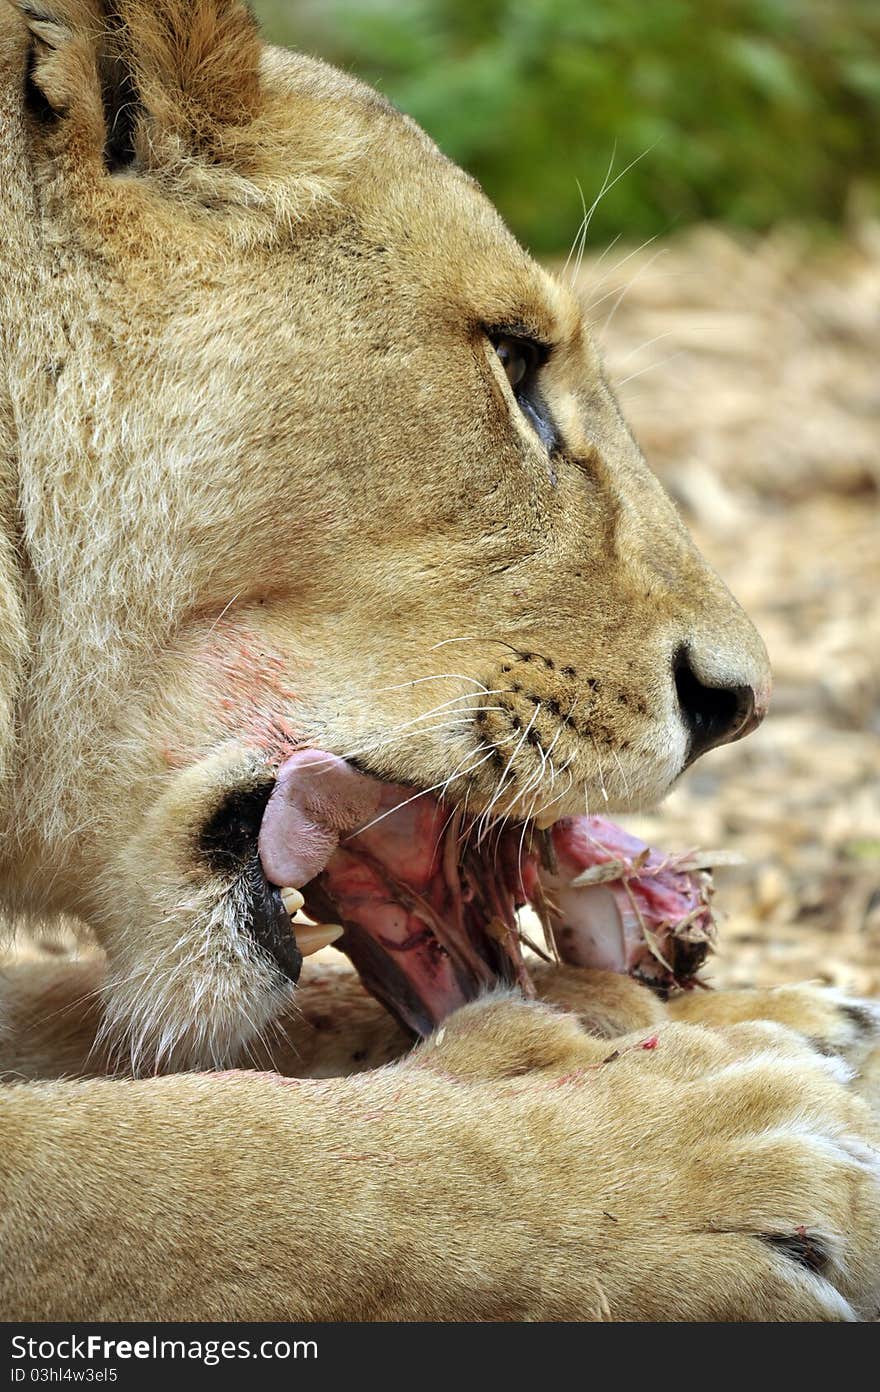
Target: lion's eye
<point>517,356</point>
<point>522,358</point>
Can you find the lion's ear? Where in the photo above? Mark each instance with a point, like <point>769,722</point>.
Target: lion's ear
<point>135,81</point>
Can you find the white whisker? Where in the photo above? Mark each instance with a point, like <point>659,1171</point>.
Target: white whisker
<point>650,368</point>
<point>594,304</point>
<point>626,289</point>
<point>423,792</point>
<point>500,787</point>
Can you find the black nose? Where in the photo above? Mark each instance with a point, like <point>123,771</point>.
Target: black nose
<point>712,714</point>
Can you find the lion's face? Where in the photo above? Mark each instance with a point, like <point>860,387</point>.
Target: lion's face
<point>312,453</point>
<point>395,526</point>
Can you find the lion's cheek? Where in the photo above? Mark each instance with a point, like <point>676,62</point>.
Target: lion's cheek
<point>229,681</point>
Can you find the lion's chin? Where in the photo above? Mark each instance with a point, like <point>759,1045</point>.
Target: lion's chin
<point>427,899</point>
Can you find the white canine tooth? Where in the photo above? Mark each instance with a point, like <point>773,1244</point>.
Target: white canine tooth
<point>312,937</point>
<point>292,900</point>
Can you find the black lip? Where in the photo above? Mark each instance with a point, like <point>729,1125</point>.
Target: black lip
<point>227,843</point>
<point>268,922</point>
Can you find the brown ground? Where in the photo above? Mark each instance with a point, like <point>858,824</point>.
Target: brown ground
<point>751,373</point>
<point>754,387</point>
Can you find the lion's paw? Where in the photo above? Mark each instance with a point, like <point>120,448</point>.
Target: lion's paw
<point>830,1021</point>
<point>722,1172</point>
<point>751,1174</point>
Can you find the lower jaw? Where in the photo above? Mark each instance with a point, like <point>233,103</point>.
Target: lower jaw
<point>425,943</point>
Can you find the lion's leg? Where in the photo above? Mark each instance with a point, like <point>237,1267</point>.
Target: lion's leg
<point>510,1168</point>
<point>51,1015</point>
<point>336,1028</point>
<point>51,1018</point>
<point>610,1005</point>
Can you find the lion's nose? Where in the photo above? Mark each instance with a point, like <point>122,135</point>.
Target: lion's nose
<point>714,711</point>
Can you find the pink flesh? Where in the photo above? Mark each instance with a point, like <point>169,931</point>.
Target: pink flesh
<point>650,917</point>
<point>426,933</point>
<point>430,919</point>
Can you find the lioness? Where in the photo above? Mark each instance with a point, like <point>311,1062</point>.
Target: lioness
<point>300,449</point>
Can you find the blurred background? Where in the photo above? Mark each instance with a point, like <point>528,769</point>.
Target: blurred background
<point>748,111</point>
<point>732,270</point>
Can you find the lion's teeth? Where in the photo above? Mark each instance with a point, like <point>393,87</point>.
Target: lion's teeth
<point>311,937</point>
<point>292,900</point>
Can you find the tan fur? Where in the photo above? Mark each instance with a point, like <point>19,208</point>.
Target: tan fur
<point>513,1167</point>
<point>263,484</point>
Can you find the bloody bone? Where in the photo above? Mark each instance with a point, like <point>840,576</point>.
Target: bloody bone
<point>430,909</point>
<point>608,900</point>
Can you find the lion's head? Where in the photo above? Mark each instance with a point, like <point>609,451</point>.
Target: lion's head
<point>299,447</point>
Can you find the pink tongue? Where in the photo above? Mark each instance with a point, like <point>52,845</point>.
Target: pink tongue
<point>316,799</point>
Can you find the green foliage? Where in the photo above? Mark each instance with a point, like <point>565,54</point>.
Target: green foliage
<point>750,111</point>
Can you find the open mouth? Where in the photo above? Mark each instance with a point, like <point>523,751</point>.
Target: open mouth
<point>430,901</point>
